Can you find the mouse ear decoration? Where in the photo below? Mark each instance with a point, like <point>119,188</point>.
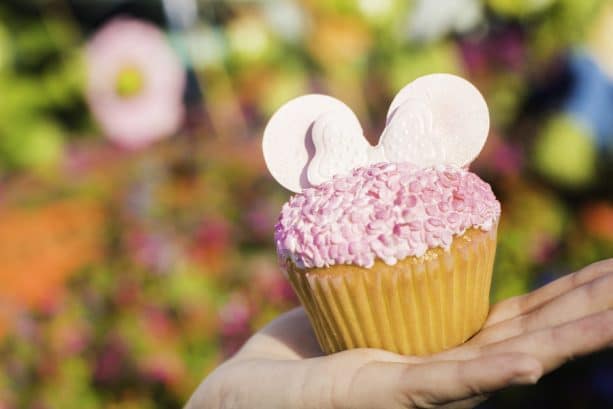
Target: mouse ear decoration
<point>288,145</point>
<point>340,146</point>
<point>436,119</point>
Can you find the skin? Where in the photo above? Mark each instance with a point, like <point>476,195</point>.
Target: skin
<point>523,338</point>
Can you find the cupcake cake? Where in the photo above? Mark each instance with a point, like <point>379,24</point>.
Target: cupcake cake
<point>390,246</point>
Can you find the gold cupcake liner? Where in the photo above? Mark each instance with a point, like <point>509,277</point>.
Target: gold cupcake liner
<point>420,306</point>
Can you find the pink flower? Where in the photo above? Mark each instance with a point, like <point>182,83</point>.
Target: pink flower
<point>504,49</point>
<point>235,318</point>
<point>261,218</point>
<point>270,284</point>
<point>111,361</point>
<point>135,83</point>
<point>152,250</point>
<point>236,315</point>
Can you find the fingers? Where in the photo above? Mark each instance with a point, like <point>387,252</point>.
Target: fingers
<point>587,299</point>
<point>516,306</point>
<point>443,382</point>
<point>387,380</point>
<point>400,385</point>
<point>556,345</point>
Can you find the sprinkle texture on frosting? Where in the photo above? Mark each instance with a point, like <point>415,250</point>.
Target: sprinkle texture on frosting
<point>387,210</point>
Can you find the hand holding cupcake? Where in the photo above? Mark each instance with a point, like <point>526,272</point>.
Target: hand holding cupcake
<point>392,247</point>
<point>524,337</point>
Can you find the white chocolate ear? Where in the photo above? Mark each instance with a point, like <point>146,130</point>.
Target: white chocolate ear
<point>436,119</point>
<point>340,146</point>
<point>411,135</point>
<point>440,119</point>
<point>287,143</point>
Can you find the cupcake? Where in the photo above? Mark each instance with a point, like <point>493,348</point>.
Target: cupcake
<point>390,246</point>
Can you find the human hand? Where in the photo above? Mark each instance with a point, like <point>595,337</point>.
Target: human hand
<point>524,337</point>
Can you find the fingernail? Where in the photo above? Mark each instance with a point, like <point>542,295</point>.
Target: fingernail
<point>527,379</point>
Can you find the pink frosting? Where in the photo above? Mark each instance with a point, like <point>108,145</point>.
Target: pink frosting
<point>387,211</point>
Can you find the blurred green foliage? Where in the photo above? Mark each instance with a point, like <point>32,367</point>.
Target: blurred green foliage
<point>41,82</point>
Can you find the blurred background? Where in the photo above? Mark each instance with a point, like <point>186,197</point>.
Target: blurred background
<point>136,214</point>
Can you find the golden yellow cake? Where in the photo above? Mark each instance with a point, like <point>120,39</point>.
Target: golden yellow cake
<point>393,257</point>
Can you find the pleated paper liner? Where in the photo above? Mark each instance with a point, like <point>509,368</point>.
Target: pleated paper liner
<point>420,306</point>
